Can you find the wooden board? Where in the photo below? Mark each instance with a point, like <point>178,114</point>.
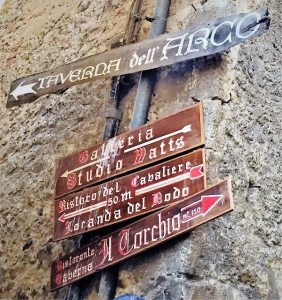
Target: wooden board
<point>143,234</point>
<point>201,40</point>
<point>140,147</point>
<point>129,196</point>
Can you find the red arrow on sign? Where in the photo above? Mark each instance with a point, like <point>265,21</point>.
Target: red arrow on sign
<point>200,208</point>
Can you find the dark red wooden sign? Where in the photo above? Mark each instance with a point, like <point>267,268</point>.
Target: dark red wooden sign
<point>201,40</point>
<point>143,234</point>
<point>129,196</point>
<point>147,144</point>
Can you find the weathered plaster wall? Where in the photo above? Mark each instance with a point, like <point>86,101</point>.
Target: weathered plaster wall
<point>234,257</point>
<point>237,256</point>
<point>35,36</point>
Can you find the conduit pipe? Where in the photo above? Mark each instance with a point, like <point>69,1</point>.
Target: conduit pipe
<point>147,78</point>
<point>140,114</point>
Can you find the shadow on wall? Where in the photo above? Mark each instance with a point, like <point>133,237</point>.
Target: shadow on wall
<point>178,70</point>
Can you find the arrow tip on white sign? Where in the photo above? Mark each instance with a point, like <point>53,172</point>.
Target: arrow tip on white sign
<point>65,175</point>
<point>23,89</point>
<point>187,128</point>
<point>210,201</point>
<point>62,218</point>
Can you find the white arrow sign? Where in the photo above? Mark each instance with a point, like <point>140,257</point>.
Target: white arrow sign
<point>79,212</point>
<point>193,174</point>
<point>185,129</point>
<point>23,89</point>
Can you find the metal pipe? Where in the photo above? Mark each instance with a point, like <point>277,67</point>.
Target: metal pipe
<point>73,292</point>
<point>114,114</point>
<point>148,78</point>
<point>159,18</point>
<point>140,113</point>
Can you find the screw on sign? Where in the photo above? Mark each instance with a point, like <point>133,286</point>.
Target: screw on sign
<point>131,150</point>
<point>129,196</point>
<point>145,233</point>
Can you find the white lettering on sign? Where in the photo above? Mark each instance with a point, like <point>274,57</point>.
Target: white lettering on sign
<point>200,39</point>
<point>229,36</point>
<point>161,229</point>
<point>216,36</point>
<point>145,59</point>
<point>239,32</point>
<point>143,234</point>
<point>80,74</point>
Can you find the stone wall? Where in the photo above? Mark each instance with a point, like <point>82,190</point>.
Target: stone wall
<point>237,256</point>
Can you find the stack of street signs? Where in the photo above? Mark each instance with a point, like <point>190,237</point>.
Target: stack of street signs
<point>159,169</point>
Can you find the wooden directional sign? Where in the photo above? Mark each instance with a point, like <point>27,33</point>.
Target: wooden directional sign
<point>129,151</point>
<point>201,40</point>
<point>143,234</point>
<point>129,196</point>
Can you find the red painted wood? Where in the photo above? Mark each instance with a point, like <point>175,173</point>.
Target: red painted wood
<point>150,143</point>
<point>129,196</point>
<point>143,234</point>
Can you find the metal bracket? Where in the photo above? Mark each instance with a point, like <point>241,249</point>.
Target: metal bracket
<point>150,19</point>
<point>114,113</point>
